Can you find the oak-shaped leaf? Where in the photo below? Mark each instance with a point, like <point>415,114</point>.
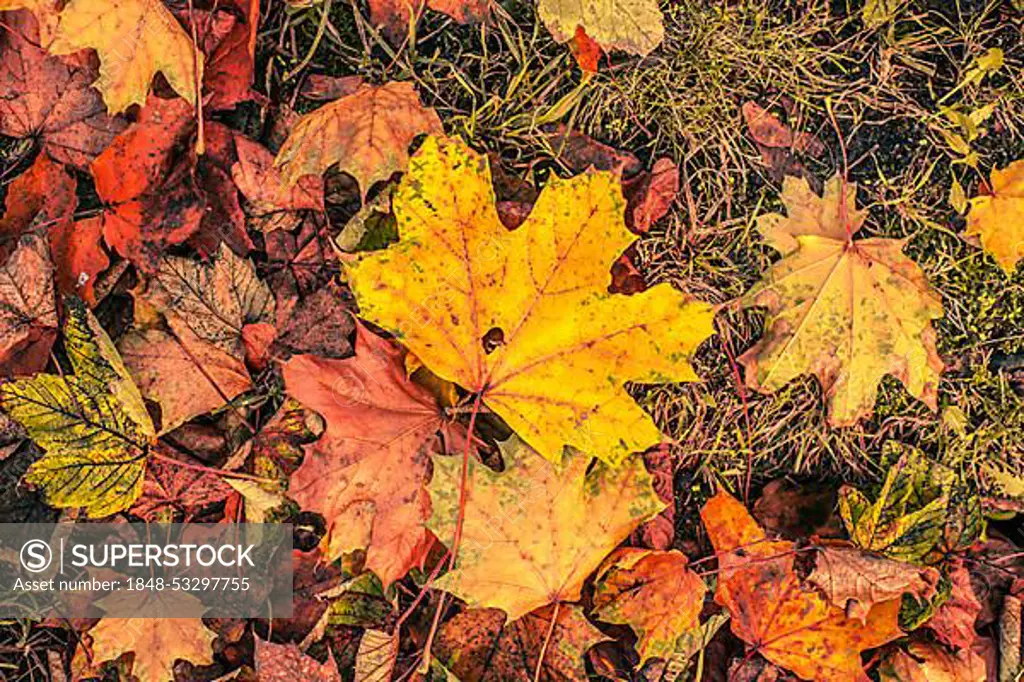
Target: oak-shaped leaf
<point>997,218</point>
<point>367,474</point>
<point>532,533</point>
<point>478,645</point>
<point>50,100</point>
<point>92,424</point>
<point>856,580</point>
<point>848,311</point>
<point>524,318</point>
<point>791,626</point>
<point>633,26</point>
<point>655,593</point>
<point>135,40</point>
<point>929,662</point>
<point>28,312</point>
<point>367,134</point>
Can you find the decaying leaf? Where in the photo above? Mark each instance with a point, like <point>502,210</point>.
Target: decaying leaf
<point>273,205</point>
<point>156,642</point>
<point>93,424</point>
<point>848,311</point>
<point>479,645</point>
<point>926,662</point>
<point>367,134</point>
<point>655,593</point>
<point>184,374</point>
<point>171,493</point>
<point>287,663</point>
<point>790,626</point>
<point>953,622</point>
<point>633,26</point>
<point>856,580</point>
<point>375,660</point>
<point>366,475</point>
<point>150,201</point>
<point>216,301</point>
<point>909,517</point>
<point>998,217</point>
<point>532,533</point>
<point>28,312</point>
<point>135,40</point>
<point>395,16</point>
<point>524,318</point>
<point>46,98</point>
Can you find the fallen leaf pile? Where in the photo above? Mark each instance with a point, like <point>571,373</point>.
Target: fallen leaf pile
<point>444,376</point>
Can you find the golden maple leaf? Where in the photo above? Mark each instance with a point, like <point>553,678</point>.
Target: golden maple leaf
<point>848,311</point>
<point>998,218</point>
<point>524,318</point>
<point>135,39</point>
<point>366,133</point>
<point>789,625</point>
<point>156,639</point>
<point>532,533</point>
<point>630,25</point>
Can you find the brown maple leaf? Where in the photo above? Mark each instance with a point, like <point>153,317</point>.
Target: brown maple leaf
<point>288,663</point>
<point>28,313</point>
<point>171,492</point>
<point>478,644</point>
<point>50,100</point>
<point>366,476</point>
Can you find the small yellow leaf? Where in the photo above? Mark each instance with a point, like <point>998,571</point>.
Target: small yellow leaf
<point>999,217</point>
<point>135,40</point>
<point>93,426</point>
<point>957,197</point>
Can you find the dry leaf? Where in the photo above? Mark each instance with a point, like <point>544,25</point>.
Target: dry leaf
<point>633,26</point>
<point>272,203</point>
<point>287,663</point>
<point>135,40</point>
<point>366,475</point>
<point>998,217</point>
<point>953,622</point>
<point>375,661</point>
<point>524,318</point>
<point>655,593</point>
<point>183,374</point>
<point>479,646</point>
<point>367,134</point>
<point>848,311</point>
<point>394,16</point>
<point>172,492</point>
<point>926,662</point>
<point>28,313</point>
<point>772,612</point>
<point>532,533</point>
<point>855,580</point>
<point>50,100</point>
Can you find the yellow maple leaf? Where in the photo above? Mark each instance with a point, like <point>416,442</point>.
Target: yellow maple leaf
<point>156,639</point>
<point>633,26</point>
<point>532,533</point>
<point>524,318</point>
<point>135,39</point>
<point>93,425</point>
<point>367,134</point>
<point>998,218</point>
<point>848,311</point>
